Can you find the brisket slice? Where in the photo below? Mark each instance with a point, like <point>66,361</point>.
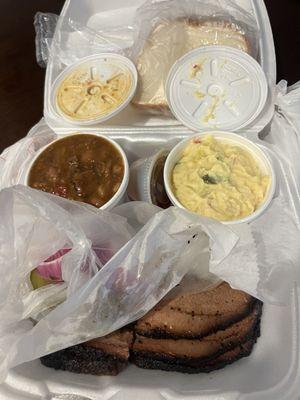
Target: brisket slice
<point>229,357</point>
<point>195,315</point>
<point>104,356</point>
<point>213,328</point>
<point>211,352</point>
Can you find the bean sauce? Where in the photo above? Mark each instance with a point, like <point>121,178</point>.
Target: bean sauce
<point>80,167</point>
<point>158,193</point>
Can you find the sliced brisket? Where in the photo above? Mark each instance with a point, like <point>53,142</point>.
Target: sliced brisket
<point>240,351</point>
<point>190,333</point>
<point>196,315</point>
<point>104,356</point>
<point>197,354</point>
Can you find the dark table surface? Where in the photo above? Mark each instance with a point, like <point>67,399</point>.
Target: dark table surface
<point>22,80</point>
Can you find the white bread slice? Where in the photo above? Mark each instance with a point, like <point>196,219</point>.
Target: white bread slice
<point>169,41</point>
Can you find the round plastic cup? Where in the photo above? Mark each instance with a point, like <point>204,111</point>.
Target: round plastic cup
<point>118,196</point>
<point>216,87</point>
<point>232,139</point>
<point>139,187</point>
<point>108,64</point>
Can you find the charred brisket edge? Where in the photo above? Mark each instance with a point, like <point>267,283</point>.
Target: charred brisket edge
<point>245,350</point>
<point>151,360</point>
<point>158,333</point>
<point>85,360</point>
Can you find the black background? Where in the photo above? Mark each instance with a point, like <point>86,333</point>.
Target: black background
<point>22,80</point>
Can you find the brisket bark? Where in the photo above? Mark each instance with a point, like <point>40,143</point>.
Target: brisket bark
<point>104,356</point>
<point>191,333</point>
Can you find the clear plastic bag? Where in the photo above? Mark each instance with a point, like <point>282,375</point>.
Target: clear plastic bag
<point>44,25</point>
<point>74,41</point>
<point>95,300</point>
<point>167,29</point>
<point>285,128</point>
<point>15,160</point>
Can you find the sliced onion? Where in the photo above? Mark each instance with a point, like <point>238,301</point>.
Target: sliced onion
<point>50,269</point>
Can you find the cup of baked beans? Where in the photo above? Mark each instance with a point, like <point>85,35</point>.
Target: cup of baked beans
<point>84,167</point>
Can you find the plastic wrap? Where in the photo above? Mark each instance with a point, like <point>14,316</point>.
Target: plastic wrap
<point>285,128</point>
<point>15,160</point>
<point>97,300</point>
<point>167,29</point>
<point>75,41</point>
<point>254,274</point>
<point>44,25</point>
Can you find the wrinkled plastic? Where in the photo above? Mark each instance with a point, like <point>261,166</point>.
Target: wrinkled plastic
<point>95,299</point>
<point>256,274</point>
<point>288,102</point>
<point>75,41</point>
<point>16,160</point>
<point>154,252</point>
<point>167,29</point>
<point>44,25</point>
<point>285,131</point>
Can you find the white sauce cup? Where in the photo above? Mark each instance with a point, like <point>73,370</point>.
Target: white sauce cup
<point>235,140</point>
<point>139,187</point>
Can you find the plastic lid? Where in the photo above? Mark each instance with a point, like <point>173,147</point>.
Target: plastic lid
<point>216,87</point>
<point>94,89</point>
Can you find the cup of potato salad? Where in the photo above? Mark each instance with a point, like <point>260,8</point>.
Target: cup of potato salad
<point>220,175</point>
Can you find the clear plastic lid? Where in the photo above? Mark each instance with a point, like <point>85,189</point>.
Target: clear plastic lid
<point>216,87</point>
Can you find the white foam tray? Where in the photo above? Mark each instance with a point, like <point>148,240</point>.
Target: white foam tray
<point>98,15</point>
<point>268,374</point>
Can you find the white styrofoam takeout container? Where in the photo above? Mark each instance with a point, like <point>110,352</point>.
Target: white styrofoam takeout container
<point>235,140</point>
<point>272,372</point>
<point>99,16</point>
<point>120,194</point>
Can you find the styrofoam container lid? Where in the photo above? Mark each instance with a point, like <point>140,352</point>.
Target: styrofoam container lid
<point>79,87</point>
<point>216,87</point>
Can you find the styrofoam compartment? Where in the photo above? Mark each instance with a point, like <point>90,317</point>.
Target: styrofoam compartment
<point>272,371</point>
<point>268,374</point>
<point>99,16</point>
